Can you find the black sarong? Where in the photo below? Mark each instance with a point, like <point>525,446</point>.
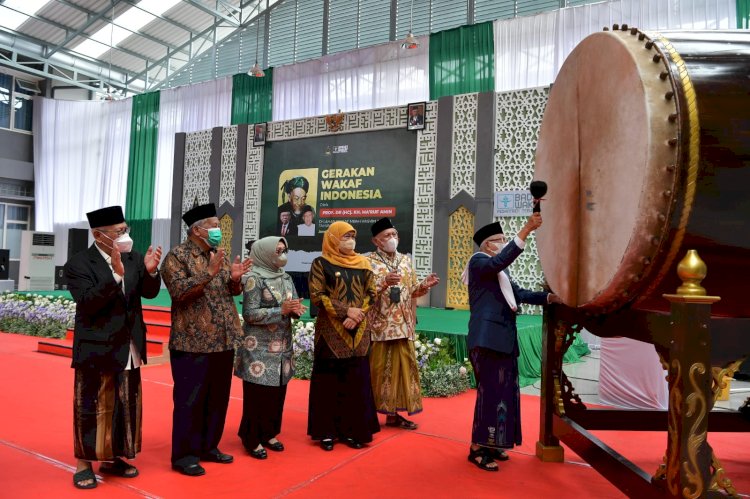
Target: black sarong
<point>262,409</point>
<point>497,414</point>
<point>107,414</point>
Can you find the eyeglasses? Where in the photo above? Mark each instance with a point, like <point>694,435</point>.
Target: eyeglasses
<point>118,232</point>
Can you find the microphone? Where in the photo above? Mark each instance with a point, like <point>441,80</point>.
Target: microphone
<point>538,189</point>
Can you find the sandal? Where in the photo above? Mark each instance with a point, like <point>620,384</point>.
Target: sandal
<point>119,468</point>
<point>499,454</point>
<point>259,453</point>
<point>83,475</point>
<point>484,463</point>
<point>401,422</point>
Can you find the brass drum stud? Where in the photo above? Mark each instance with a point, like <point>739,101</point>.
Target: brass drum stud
<point>633,31</point>
<point>645,260</point>
<point>669,95</point>
<point>667,194</point>
<point>641,36</point>
<point>663,75</point>
<point>649,45</point>
<point>624,27</point>
<point>615,27</point>
<point>661,217</point>
<point>605,28</point>
<point>670,168</point>
<point>672,142</point>
<point>673,117</point>
<point>657,58</point>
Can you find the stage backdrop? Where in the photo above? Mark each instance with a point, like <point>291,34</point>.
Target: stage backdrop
<point>357,178</point>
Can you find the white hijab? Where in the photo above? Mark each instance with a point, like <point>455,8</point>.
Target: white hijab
<point>502,278</point>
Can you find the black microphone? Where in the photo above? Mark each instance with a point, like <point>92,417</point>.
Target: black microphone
<point>538,189</point>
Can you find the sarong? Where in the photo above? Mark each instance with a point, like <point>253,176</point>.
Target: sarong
<point>497,414</point>
<point>395,377</point>
<point>107,414</point>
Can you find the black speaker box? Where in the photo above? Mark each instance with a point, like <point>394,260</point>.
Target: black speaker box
<point>78,240</point>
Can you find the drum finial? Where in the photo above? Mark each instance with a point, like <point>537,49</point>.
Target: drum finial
<point>691,270</point>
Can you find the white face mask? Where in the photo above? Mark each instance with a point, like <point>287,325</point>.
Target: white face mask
<point>496,248</point>
<point>123,243</point>
<point>347,246</point>
<point>391,245</point>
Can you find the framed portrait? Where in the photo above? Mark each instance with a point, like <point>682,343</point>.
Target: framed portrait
<point>415,116</point>
<point>259,134</point>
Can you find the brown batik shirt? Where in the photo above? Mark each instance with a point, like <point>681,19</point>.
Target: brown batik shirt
<point>204,315</point>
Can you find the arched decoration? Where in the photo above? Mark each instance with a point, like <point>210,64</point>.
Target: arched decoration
<point>460,249</point>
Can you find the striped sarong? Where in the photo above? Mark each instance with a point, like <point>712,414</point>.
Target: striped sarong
<point>107,414</point>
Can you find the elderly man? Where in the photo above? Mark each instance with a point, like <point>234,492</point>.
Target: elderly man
<point>391,321</point>
<point>296,190</point>
<point>493,341</point>
<point>107,282</point>
<point>205,327</point>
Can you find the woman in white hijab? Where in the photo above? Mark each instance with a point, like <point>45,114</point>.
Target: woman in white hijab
<point>264,360</point>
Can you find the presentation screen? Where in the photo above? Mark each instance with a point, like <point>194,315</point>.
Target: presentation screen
<point>358,178</point>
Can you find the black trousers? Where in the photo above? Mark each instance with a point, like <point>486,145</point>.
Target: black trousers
<point>201,397</point>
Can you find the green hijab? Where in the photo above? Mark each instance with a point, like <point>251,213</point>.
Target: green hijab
<point>263,253</point>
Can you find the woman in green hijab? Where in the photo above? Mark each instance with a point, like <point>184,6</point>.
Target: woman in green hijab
<point>264,359</point>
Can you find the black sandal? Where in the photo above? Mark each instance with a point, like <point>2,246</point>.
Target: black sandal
<point>483,463</point>
<point>259,453</point>
<point>82,476</point>
<point>276,446</point>
<point>119,468</point>
<point>499,454</point>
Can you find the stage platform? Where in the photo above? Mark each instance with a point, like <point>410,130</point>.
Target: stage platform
<point>432,323</point>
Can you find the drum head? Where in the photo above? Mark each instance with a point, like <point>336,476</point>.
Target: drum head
<point>603,149</point>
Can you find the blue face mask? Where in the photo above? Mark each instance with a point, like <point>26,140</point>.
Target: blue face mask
<point>214,236</point>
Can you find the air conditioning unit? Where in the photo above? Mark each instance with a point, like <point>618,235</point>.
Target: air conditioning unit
<point>36,270</point>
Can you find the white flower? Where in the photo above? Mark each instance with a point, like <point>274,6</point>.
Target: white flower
<point>417,344</point>
<point>462,370</point>
<point>437,341</point>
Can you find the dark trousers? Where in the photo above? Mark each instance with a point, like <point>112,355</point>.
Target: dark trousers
<point>201,397</point>
<point>262,409</point>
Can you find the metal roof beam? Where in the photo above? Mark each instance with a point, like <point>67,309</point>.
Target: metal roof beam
<point>214,12</point>
<point>91,20</point>
<point>162,17</point>
<point>210,29</point>
<point>138,33</point>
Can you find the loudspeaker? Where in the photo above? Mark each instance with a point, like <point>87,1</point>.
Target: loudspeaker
<point>78,240</point>
<point>4,264</point>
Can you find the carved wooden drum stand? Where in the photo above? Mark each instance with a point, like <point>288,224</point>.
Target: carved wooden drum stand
<point>645,146</point>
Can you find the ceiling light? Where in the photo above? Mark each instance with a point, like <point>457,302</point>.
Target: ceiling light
<point>410,42</point>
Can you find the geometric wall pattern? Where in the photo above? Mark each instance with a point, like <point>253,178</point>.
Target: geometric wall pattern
<point>460,249</point>
<point>518,116</point>
<point>464,147</point>
<point>253,182</point>
<point>228,166</point>
<point>196,173</point>
<point>424,192</point>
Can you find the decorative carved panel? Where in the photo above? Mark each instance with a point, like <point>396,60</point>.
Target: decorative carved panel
<point>460,249</point>
<point>464,149</point>
<point>197,167</point>
<point>424,192</point>
<point>518,119</point>
<point>228,165</point>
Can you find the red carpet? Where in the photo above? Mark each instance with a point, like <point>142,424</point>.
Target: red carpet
<point>37,461</point>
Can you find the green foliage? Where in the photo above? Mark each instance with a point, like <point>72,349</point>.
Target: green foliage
<point>444,380</point>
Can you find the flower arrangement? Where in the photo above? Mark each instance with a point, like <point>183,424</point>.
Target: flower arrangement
<point>35,314</point>
<point>303,343</point>
<point>440,374</point>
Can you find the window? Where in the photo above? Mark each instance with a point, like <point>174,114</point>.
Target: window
<point>16,104</point>
<point>15,219</point>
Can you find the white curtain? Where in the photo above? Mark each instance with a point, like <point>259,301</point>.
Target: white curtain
<point>529,51</point>
<point>381,76</point>
<point>183,109</point>
<point>631,375</point>
<point>81,151</point>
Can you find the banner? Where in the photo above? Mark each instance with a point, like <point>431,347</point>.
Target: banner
<point>358,178</point>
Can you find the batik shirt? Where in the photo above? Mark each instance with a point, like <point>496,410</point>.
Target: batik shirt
<point>387,320</point>
<point>333,290</point>
<point>265,353</point>
<point>204,315</point>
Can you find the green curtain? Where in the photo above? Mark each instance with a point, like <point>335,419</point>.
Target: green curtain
<point>743,14</point>
<point>462,60</point>
<point>252,98</point>
<point>139,203</point>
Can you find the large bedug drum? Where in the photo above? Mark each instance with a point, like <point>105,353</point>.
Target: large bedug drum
<point>645,145</point>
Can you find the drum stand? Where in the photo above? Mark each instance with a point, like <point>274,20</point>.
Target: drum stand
<point>689,342</point>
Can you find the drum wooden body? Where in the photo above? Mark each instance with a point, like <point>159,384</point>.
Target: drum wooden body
<point>645,145</point>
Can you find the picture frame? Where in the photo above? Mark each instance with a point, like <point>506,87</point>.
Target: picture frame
<point>415,115</point>
<point>260,131</point>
